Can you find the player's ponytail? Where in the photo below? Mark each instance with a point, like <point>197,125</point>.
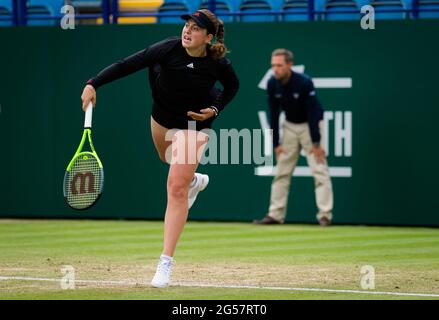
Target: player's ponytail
<point>218,49</point>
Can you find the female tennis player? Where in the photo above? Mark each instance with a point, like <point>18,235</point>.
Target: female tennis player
<point>182,74</point>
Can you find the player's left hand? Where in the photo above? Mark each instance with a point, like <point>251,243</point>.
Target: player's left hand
<point>319,153</point>
<point>203,115</point>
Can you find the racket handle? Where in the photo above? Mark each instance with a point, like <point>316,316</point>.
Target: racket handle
<point>88,115</point>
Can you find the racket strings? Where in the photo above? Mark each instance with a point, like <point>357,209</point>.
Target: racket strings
<point>84,182</point>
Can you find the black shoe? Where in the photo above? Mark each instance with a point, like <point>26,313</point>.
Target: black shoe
<point>324,222</point>
<point>267,220</point>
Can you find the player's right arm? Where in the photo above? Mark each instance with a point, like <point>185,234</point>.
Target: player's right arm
<point>122,68</point>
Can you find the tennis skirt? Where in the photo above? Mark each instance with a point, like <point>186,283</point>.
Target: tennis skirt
<point>170,120</point>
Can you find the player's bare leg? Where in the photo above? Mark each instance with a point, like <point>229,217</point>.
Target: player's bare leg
<point>187,146</point>
<point>179,178</point>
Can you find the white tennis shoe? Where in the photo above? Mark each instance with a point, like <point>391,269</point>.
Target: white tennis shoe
<point>200,185</point>
<point>162,277</point>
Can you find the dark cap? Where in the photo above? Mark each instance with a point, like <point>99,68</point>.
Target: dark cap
<point>202,20</point>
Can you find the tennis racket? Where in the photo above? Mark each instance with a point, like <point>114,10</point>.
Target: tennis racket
<point>84,176</point>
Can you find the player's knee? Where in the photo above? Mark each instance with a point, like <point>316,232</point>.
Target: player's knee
<point>177,192</point>
<point>177,189</point>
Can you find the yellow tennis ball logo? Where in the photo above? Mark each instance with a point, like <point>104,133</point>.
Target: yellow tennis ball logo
<point>85,158</point>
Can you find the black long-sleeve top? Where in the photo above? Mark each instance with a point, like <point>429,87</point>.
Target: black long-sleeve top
<point>184,83</point>
<point>298,99</point>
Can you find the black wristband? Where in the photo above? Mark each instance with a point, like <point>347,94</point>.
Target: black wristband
<point>90,82</point>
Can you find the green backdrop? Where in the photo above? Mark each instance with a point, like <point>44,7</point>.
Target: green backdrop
<point>393,102</point>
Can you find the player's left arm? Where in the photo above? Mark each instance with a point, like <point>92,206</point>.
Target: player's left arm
<point>230,82</point>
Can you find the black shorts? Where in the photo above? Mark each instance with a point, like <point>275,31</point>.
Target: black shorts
<point>171,120</point>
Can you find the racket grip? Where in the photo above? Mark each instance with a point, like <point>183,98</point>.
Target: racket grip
<point>88,115</point>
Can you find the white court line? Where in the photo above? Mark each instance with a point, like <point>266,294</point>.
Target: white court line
<point>121,282</point>
<point>312,290</point>
<point>201,285</point>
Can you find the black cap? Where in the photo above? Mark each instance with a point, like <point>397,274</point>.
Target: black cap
<point>202,20</point>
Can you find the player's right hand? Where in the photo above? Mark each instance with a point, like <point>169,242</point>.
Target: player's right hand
<point>88,94</point>
<point>279,150</point>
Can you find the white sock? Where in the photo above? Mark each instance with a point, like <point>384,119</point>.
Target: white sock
<point>165,257</point>
<point>193,182</point>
